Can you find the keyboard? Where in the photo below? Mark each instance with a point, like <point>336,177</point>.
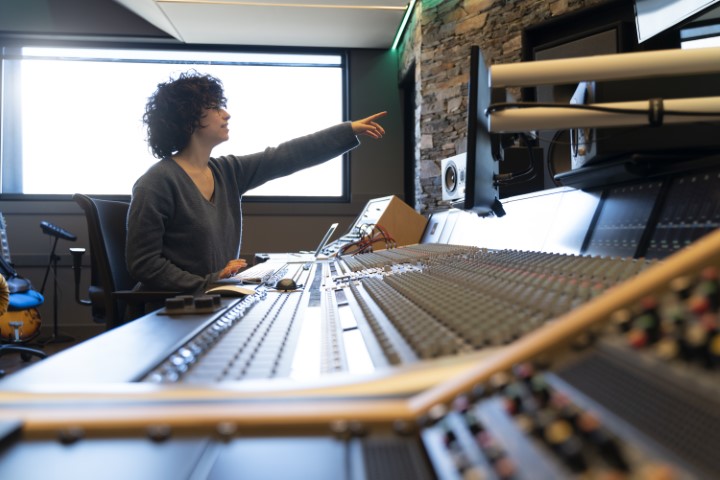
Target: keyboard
<point>260,273</point>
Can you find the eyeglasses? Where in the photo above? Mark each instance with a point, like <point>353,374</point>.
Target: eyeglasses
<point>216,107</point>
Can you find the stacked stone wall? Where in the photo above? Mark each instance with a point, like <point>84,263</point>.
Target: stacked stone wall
<point>437,43</point>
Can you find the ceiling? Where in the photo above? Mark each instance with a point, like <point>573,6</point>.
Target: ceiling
<point>294,23</point>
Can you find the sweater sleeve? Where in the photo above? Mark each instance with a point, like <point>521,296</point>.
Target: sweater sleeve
<point>289,157</point>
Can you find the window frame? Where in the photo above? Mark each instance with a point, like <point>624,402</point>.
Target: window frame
<point>52,41</point>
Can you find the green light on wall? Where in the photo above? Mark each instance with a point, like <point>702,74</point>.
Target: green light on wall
<point>403,24</point>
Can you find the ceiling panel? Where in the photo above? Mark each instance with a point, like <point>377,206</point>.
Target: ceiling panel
<point>296,23</point>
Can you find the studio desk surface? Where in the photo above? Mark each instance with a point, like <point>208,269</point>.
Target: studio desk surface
<point>416,336</point>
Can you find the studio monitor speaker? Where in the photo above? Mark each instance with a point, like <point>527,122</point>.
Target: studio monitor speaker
<point>453,177</point>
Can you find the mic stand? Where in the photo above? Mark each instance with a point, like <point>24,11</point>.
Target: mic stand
<point>53,262</point>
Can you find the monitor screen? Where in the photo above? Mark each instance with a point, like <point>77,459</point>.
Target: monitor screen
<point>325,239</point>
<point>655,16</point>
<point>483,148</point>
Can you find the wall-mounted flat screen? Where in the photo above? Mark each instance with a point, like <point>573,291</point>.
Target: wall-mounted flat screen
<point>655,16</point>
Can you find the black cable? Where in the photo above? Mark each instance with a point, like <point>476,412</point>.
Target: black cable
<point>552,145</point>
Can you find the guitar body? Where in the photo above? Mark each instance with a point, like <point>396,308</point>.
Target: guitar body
<point>29,328</point>
<point>24,321</point>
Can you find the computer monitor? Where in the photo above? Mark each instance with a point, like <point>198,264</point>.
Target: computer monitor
<point>653,17</point>
<point>325,239</point>
<point>483,148</point>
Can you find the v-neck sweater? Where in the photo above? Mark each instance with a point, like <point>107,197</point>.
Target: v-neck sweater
<point>177,240</point>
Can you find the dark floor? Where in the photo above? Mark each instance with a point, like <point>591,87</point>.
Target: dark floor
<point>46,342</point>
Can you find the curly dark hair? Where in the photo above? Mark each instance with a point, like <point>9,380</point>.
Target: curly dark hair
<point>174,110</point>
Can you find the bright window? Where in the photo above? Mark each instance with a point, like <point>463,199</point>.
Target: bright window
<point>72,118</point>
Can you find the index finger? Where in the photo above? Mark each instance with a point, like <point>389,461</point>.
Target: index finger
<point>377,115</point>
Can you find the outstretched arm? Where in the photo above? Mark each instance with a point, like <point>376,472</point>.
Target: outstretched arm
<point>368,126</point>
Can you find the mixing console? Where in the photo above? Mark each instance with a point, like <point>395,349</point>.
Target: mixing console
<point>475,363</point>
<point>632,395</point>
<point>413,303</point>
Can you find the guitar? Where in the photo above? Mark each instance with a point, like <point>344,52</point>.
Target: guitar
<point>16,326</point>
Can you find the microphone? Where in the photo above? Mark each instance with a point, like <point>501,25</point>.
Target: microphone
<point>55,231</point>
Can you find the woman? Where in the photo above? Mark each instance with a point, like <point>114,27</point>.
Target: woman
<point>185,219</point>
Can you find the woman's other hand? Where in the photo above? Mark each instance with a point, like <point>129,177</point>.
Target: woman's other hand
<point>233,267</point>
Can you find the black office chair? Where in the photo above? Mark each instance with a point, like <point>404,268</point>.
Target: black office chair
<point>110,293</point>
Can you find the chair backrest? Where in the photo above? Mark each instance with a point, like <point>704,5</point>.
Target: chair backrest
<point>107,227</point>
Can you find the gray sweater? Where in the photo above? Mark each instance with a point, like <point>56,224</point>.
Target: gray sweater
<point>179,241</point>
